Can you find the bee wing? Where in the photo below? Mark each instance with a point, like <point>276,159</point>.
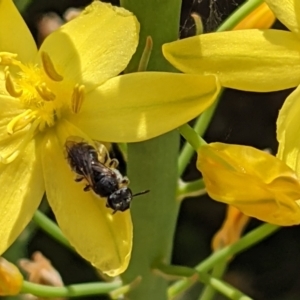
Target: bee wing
<point>103,154</point>
<point>79,159</point>
<point>103,170</point>
<point>87,169</point>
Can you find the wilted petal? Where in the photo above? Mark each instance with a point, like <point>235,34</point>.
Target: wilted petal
<point>231,230</point>
<point>251,60</point>
<point>40,270</point>
<point>288,12</point>
<point>99,236</point>
<point>255,182</point>
<point>22,188</point>
<point>140,106</point>
<point>288,128</point>
<point>112,30</point>
<point>15,36</point>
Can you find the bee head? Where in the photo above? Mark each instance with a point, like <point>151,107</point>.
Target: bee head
<point>120,199</point>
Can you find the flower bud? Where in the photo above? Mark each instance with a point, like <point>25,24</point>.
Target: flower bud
<point>10,278</point>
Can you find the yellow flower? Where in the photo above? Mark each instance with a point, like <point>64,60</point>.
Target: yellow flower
<point>71,87</point>
<point>252,59</point>
<point>255,182</point>
<point>11,279</point>
<point>235,221</point>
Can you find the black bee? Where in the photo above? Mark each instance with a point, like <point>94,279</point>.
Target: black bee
<point>100,173</point>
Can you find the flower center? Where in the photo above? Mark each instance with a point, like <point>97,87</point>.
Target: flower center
<point>44,95</point>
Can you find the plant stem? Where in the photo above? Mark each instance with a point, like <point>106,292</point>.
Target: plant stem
<point>191,136</point>
<point>209,291</point>
<point>153,164</point>
<point>76,290</point>
<point>239,15</point>
<point>200,127</point>
<point>51,228</point>
<point>222,255</point>
<point>190,189</point>
<point>216,284</point>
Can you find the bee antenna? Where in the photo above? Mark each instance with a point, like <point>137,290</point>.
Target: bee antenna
<point>141,193</point>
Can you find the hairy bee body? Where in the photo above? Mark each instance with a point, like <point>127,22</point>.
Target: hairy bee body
<point>99,172</point>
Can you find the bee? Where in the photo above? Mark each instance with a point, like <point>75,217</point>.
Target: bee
<point>94,166</point>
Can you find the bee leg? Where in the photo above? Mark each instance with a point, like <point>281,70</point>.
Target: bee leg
<point>78,178</point>
<point>125,181</point>
<point>87,188</point>
<point>113,163</point>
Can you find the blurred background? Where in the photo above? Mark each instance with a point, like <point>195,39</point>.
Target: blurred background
<point>267,271</point>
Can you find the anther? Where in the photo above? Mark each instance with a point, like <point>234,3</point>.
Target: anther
<point>10,87</point>
<point>20,121</point>
<point>45,92</point>
<point>6,159</point>
<point>49,67</point>
<point>77,98</point>
<point>7,58</point>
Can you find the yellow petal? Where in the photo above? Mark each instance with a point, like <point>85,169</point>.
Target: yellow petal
<point>288,13</point>
<point>15,37</point>
<point>252,60</point>
<point>10,108</point>
<point>140,106</point>
<point>253,181</point>
<point>22,188</point>
<point>95,46</point>
<point>288,128</point>
<point>10,278</point>
<point>100,237</point>
<point>261,18</point>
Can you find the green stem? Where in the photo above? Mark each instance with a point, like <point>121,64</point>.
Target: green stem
<point>190,189</point>
<point>76,290</point>
<point>216,284</point>
<point>217,272</point>
<point>200,127</point>
<point>191,136</point>
<point>222,255</point>
<point>237,16</point>
<point>152,164</point>
<point>51,228</point>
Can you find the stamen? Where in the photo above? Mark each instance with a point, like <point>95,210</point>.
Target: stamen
<point>10,86</point>
<point>49,67</point>
<point>7,58</point>
<point>21,121</point>
<point>45,92</point>
<point>77,98</point>
<point>29,135</point>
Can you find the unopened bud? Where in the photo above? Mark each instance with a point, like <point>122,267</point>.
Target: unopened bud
<point>10,278</point>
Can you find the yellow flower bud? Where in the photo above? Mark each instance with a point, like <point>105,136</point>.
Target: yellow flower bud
<point>261,18</point>
<point>10,278</point>
<point>255,182</point>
